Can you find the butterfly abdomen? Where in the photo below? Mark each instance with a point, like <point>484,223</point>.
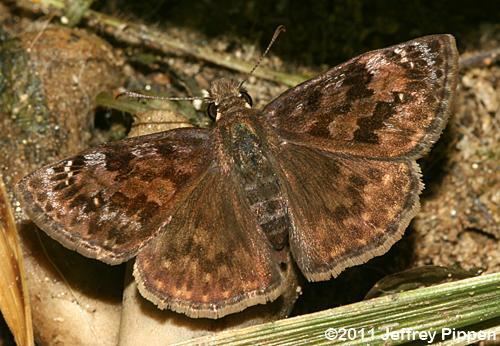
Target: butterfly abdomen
<point>259,182</point>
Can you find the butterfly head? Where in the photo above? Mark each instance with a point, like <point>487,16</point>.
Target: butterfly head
<point>227,96</point>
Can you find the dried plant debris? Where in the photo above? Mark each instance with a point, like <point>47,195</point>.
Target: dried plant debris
<point>414,278</point>
<point>14,298</point>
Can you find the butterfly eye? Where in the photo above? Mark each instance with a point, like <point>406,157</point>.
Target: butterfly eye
<point>212,111</point>
<point>246,97</point>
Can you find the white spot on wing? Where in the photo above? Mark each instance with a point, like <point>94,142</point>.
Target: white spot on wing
<point>402,53</point>
<point>423,52</point>
<point>335,81</point>
<point>140,150</point>
<point>428,56</point>
<point>299,107</point>
<point>375,62</point>
<point>94,158</point>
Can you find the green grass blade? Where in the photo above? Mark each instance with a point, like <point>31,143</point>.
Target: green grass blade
<point>431,309</point>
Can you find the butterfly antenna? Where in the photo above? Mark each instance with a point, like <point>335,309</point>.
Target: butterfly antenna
<point>152,97</point>
<point>277,32</point>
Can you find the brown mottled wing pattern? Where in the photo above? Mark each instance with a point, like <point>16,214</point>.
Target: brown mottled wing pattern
<point>106,202</point>
<point>391,102</point>
<point>212,259</point>
<point>345,211</point>
<point>349,140</point>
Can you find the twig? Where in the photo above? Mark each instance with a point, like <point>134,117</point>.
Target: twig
<point>480,59</point>
<point>76,9</point>
<point>143,35</point>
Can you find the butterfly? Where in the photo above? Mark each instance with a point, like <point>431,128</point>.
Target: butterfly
<point>326,172</point>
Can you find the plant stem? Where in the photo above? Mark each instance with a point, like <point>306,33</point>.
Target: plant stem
<point>143,35</point>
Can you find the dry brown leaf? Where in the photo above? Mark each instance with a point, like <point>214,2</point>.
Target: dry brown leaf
<point>14,298</point>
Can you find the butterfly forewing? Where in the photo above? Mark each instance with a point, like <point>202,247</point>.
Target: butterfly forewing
<point>107,201</point>
<point>211,259</point>
<point>391,102</point>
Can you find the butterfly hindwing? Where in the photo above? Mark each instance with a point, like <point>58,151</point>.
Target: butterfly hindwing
<point>392,102</point>
<point>345,210</point>
<point>211,259</point>
<point>106,202</point>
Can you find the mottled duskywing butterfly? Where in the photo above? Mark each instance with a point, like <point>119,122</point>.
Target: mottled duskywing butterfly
<point>327,171</point>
